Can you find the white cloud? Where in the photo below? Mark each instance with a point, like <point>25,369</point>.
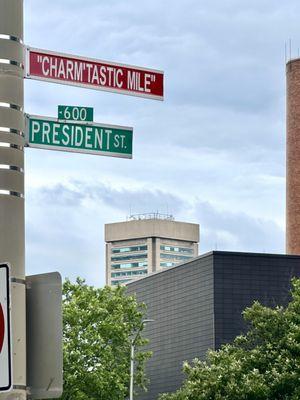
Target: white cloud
<point>65,225</point>
<point>212,152</point>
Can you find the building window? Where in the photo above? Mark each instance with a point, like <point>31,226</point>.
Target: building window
<point>186,250</point>
<point>129,265</point>
<point>119,282</point>
<point>128,273</point>
<point>175,257</point>
<point>116,250</point>
<point>167,264</point>
<point>129,257</point>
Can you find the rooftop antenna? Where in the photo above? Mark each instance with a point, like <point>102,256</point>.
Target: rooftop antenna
<point>128,217</point>
<point>290,40</point>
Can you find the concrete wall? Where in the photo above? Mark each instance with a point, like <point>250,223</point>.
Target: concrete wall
<point>152,228</point>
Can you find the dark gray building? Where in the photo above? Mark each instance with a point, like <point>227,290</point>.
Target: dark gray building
<point>197,306</point>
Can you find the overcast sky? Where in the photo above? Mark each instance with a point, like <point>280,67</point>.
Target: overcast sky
<point>213,152</point>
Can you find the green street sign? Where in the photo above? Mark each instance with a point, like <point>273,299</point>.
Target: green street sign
<point>99,139</point>
<point>76,113</point>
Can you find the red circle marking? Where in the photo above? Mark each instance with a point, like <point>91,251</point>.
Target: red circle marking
<point>2,327</point>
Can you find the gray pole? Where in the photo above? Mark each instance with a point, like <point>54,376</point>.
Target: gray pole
<point>131,370</point>
<point>12,248</point>
<point>133,341</point>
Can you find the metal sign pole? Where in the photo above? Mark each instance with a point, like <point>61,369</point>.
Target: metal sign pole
<point>12,126</point>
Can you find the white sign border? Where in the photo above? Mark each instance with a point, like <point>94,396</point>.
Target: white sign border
<point>9,336</point>
<point>27,75</point>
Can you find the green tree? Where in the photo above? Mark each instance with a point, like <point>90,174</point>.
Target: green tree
<point>98,326</point>
<point>263,364</point>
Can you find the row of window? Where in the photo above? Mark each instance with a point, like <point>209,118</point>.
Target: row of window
<point>128,249</point>
<point>174,257</point>
<point>128,273</point>
<point>119,282</point>
<point>167,264</point>
<point>131,257</point>
<point>186,250</point>
<point>129,265</point>
<point>145,263</point>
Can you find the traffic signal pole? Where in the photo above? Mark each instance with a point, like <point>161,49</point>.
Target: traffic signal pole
<point>12,127</point>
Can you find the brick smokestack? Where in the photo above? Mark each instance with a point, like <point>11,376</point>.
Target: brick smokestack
<point>293,157</point>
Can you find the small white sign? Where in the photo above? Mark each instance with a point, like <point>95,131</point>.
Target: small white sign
<point>5,337</point>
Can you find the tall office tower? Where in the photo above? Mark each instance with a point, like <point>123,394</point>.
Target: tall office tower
<point>147,243</point>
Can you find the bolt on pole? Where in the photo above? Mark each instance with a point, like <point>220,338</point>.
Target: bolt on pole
<point>12,126</point>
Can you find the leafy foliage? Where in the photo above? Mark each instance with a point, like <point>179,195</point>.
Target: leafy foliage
<point>98,327</point>
<point>263,364</point>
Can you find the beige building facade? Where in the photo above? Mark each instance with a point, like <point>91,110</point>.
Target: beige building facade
<point>147,243</point>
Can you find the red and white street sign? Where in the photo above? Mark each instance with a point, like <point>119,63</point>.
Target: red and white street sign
<point>94,74</point>
<point>5,340</point>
